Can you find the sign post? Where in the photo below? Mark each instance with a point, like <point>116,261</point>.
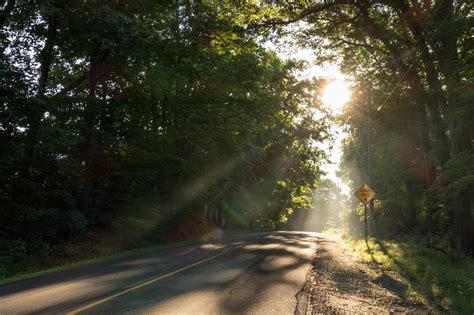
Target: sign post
<point>365,194</point>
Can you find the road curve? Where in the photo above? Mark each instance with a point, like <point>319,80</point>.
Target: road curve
<point>246,274</point>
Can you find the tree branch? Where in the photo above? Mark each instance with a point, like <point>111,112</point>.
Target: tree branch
<point>78,81</point>
<point>364,45</point>
<point>302,15</point>
<point>46,56</point>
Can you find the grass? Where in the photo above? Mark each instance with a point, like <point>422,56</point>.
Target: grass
<point>449,282</point>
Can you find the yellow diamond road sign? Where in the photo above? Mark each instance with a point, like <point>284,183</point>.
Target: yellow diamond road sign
<point>365,194</point>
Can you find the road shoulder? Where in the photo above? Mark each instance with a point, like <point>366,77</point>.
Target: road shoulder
<point>341,284</point>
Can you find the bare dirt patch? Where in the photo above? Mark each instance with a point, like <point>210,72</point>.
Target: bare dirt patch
<point>339,284</point>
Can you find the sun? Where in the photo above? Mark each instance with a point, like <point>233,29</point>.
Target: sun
<point>335,94</point>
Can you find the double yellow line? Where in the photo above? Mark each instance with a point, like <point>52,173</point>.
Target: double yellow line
<point>144,283</point>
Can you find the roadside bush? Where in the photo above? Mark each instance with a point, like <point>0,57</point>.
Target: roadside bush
<point>74,223</point>
<point>13,257</point>
<point>434,212</point>
<point>131,232</point>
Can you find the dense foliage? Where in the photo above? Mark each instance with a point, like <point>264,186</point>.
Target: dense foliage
<point>412,112</point>
<point>133,117</point>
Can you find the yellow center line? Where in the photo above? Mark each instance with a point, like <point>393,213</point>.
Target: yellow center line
<point>141,284</point>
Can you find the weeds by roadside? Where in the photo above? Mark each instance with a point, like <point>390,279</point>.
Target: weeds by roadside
<point>448,281</point>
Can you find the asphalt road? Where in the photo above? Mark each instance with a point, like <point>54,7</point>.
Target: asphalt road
<point>245,274</point>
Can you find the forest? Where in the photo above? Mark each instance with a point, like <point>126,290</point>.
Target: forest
<point>129,123</point>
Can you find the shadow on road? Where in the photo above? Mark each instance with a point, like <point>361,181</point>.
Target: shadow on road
<point>238,280</point>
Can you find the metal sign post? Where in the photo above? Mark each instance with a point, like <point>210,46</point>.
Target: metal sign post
<point>365,194</point>
<point>365,219</point>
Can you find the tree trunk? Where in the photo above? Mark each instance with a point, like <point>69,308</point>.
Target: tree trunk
<point>377,32</point>
<point>38,105</point>
<point>86,150</point>
<point>438,101</point>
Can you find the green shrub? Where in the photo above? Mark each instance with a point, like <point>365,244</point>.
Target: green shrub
<point>75,222</point>
<point>13,257</point>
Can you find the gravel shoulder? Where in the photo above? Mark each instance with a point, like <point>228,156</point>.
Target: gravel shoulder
<point>339,284</point>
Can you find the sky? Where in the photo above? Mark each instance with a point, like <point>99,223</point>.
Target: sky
<point>335,95</point>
